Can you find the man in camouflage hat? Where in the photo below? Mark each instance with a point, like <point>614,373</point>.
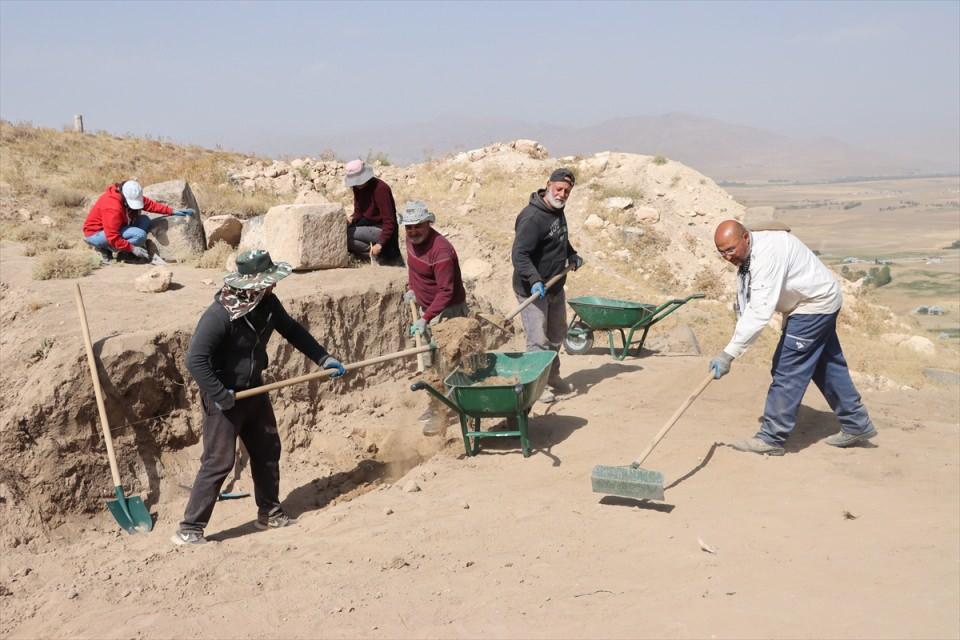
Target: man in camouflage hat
<point>228,353</point>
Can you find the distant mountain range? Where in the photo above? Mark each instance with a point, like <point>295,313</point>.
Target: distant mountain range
<point>721,150</point>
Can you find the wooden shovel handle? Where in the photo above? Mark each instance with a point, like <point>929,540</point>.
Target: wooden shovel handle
<point>329,372</point>
<point>673,419</point>
<point>97,390</point>
<point>523,305</point>
<point>421,362</point>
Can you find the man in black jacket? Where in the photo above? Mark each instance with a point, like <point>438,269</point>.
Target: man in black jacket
<point>228,353</point>
<point>541,250</point>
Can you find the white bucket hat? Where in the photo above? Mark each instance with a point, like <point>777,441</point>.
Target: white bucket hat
<point>133,194</point>
<point>416,212</point>
<point>357,173</point>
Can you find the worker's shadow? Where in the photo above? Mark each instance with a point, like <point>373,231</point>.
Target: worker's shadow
<point>813,426</point>
<point>665,507</point>
<point>544,432</point>
<point>314,495</point>
<point>585,379</point>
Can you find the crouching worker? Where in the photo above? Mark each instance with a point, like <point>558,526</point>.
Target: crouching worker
<point>228,353</point>
<point>116,222</point>
<point>435,284</point>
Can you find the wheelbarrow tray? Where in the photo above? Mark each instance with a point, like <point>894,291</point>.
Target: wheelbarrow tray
<point>608,313</point>
<point>531,370</point>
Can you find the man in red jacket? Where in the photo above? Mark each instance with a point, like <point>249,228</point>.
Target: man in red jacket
<point>372,229</point>
<point>435,285</point>
<point>116,221</point>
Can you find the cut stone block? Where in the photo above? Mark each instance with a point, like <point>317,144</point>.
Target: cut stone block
<point>308,236</point>
<point>251,237</point>
<point>177,238</point>
<point>222,229</point>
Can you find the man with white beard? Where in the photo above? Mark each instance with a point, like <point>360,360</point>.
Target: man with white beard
<point>541,250</point>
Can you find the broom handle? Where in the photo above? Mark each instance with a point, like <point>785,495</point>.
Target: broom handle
<point>673,419</point>
<point>421,363</point>
<point>97,391</point>
<point>523,305</point>
<point>240,395</point>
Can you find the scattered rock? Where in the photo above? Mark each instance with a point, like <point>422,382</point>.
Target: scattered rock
<point>311,197</point>
<point>252,235</point>
<point>919,344</point>
<point>398,562</point>
<point>223,229</point>
<point>46,221</point>
<point>705,547</point>
<point>645,215</point>
<point>594,221</point>
<point>388,511</point>
<point>475,269</point>
<point>157,280</point>
<point>466,505</point>
<point>618,203</point>
<point>411,486</point>
<point>944,376</point>
<point>25,215</point>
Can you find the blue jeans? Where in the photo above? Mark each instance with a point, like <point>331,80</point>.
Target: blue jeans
<point>810,350</point>
<point>135,234</point>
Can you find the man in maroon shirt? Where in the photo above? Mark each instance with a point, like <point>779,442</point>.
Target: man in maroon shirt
<point>372,229</point>
<point>435,284</point>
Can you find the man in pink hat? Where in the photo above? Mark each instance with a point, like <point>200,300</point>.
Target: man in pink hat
<point>372,229</point>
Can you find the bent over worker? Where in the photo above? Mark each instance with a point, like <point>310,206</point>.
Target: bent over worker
<point>777,272</point>
<point>435,285</point>
<point>228,353</point>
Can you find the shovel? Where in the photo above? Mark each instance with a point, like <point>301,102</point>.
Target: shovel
<point>422,359</point>
<point>129,512</point>
<point>502,325</point>
<point>326,373</point>
<point>633,481</point>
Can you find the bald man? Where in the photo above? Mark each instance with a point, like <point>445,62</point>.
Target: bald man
<point>777,272</point>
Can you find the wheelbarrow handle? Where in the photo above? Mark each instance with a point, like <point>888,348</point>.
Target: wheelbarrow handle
<point>523,305</point>
<point>326,373</point>
<point>420,385</point>
<point>692,296</point>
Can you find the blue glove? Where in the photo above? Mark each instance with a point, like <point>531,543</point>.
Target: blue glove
<point>184,212</point>
<point>720,365</point>
<point>333,363</point>
<point>539,290</point>
<point>420,326</point>
<point>409,297</point>
<point>228,402</point>
<point>575,262</point>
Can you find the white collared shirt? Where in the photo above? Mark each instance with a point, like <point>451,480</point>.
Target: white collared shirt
<point>785,276</point>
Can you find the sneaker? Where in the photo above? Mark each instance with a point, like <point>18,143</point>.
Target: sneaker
<point>844,439</point>
<point>546,397</point>
<point>756,445</point>
<point>275,520</point>
<point>182,537</point>
<point>561,387</point>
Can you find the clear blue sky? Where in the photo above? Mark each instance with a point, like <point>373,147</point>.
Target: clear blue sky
<point>227,72</point>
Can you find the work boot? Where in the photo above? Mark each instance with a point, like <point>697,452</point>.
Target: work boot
<point>276,519</point>
<point>560,386</point>
<point>756,445</point>
<point>181,538</point>
<point>844,439</point>
<point>106,257</point>
<point>546,397</point>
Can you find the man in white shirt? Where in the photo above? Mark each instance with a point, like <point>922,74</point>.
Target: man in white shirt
<point>777,272</point>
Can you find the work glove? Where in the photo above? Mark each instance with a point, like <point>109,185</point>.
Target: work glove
<point>409,297</point>
<point>333,363</point>
<point>140,252</point>
<point>575,262</point>
<point>539,290</point>
<point>418,327</point>
<point>184,212</point>
<point>228,402</point>
<point>720,365</point>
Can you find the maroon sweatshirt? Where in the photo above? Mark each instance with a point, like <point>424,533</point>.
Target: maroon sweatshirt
<point>373,205</point>
<point>433,271</point>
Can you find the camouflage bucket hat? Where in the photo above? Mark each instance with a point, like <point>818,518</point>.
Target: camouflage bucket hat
<point>255,270</point>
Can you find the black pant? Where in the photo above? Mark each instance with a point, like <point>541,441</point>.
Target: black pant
<point>253,421</point>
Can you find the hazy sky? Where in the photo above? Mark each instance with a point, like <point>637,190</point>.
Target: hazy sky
<point>230,72</point>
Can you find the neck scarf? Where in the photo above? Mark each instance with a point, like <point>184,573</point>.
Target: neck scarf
<point>240,302</point>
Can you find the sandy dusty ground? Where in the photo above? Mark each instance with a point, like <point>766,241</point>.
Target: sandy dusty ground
<point>820,543</point>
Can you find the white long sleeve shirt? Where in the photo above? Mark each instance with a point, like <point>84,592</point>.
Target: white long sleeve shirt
<point>784,276</point>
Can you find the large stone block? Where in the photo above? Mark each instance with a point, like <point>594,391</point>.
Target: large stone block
<point>251,237</point>
<point>177,238</point>
<point>222,229</point>
<point>308,236</point>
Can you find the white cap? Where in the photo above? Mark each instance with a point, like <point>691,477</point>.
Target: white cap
<point>133,194</point>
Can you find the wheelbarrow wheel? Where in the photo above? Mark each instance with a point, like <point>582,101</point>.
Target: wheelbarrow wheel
<point>579,339</point>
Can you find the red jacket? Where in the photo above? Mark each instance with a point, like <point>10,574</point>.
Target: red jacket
<point>433,274</point>
<point>110,213</point>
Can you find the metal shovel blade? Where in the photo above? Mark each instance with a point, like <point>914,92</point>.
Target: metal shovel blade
<point>628,482</point>
<point>130,512</point>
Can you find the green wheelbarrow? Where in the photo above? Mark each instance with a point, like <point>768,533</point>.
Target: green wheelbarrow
<point>592,313</point>
<point>506,386</point>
